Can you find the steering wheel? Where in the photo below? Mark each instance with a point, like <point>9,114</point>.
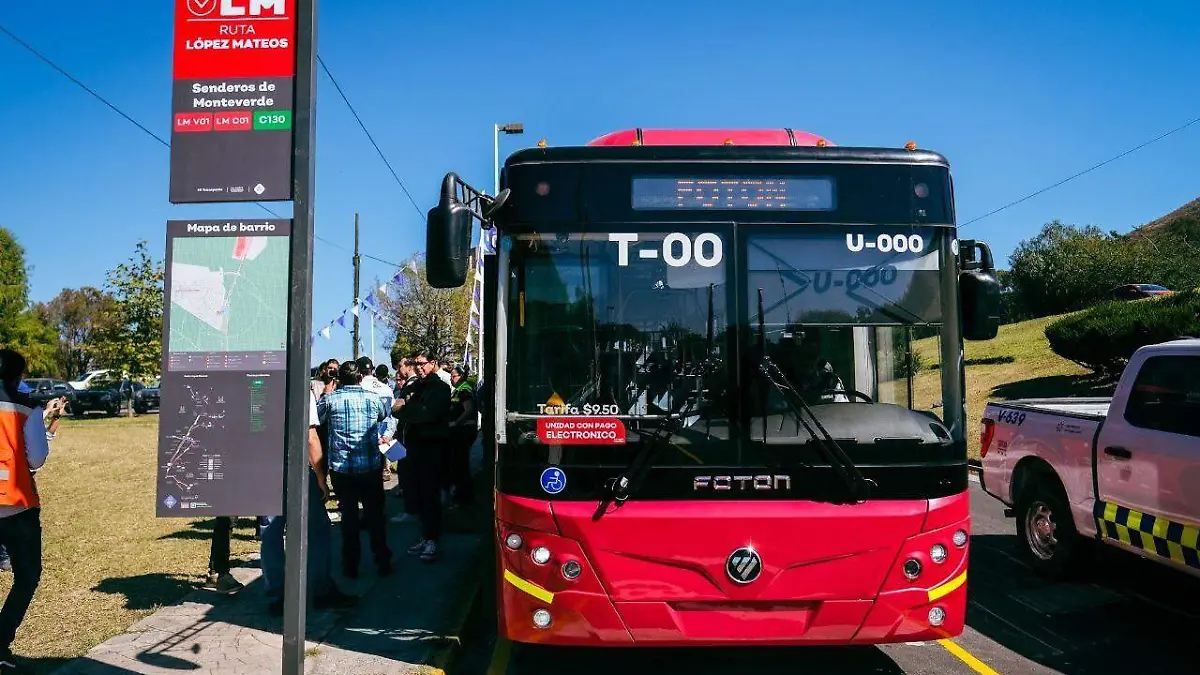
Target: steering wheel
<point>852,393</point>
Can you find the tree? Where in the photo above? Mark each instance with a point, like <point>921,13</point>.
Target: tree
<point>1067,267</point>
<point>77,316</point>
<point>131,341</point>
<point>19,327</point>
<point>423,317</point>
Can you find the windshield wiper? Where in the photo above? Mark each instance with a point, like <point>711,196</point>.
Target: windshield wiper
<point>858,486</point>
<point>619,488</point>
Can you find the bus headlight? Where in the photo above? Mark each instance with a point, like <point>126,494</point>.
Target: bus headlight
<point>513,541</point>
<point>912,569</point>
<point>937,553</point>
<point>936,616</point>
<point>541,619</point>
<point>960,538</point>
<point>540,555</point>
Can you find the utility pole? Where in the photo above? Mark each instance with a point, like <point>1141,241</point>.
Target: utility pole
<point>357,259</point>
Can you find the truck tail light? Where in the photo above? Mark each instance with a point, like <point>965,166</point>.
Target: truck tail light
<point>987,431</point>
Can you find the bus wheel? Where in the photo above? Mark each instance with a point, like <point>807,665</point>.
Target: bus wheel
<point>1046,534</point>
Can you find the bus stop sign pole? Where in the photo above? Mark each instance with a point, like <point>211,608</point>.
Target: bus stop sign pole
<point>295,577</point>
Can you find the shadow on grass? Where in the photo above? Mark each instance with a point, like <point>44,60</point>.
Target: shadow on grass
<point>1055,386</point>
<point>147,591</point>
<point>988,361</point>
<point>194,535</point>
<point>201,530</point>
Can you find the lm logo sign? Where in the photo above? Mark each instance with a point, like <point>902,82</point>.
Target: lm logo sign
<point>233,9</point>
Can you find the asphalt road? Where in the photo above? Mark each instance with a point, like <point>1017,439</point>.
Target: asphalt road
<point>1126,616</point>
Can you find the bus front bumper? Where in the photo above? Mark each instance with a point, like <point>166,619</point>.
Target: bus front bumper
<point>592,619</point>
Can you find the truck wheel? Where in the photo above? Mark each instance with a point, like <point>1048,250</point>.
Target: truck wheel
<point>1047,538</point>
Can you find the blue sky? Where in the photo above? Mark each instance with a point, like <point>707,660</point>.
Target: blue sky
<point>1017,95</point>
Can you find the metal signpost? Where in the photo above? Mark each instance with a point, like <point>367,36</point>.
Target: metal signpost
<point>299,329</point>
<point>244,122</point>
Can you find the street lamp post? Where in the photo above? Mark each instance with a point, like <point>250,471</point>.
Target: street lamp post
<point>509,129</point>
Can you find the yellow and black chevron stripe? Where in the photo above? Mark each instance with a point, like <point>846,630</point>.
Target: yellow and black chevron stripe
<point>1158,535</point>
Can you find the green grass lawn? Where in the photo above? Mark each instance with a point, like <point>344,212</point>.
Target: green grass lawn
<point>107,560</point>
<point>1018,363</point>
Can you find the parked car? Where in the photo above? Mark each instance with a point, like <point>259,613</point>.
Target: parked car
<point>44,389</point>
<point>146,399</point>
<point>105,394</point>
<point>1123,471</point>
<point>85,380</point>
<point>1138,291</point>
<point>103,398</point>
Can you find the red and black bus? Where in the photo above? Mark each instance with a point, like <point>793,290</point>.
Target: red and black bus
<point>698,347</point>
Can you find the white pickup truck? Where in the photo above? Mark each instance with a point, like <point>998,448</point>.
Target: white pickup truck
<point>1123,471</point>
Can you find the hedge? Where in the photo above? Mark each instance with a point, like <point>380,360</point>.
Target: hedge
<point>1105,336</point>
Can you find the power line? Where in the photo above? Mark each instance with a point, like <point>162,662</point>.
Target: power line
<point>1085,171</point>
<point>31,49</point>
<point>369,136</point>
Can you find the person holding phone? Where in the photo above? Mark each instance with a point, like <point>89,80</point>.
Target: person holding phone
<point>23,450</point>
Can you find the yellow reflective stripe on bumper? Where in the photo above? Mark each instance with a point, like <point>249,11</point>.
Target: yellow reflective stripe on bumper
<point>948,587</point>
<point>529,587</point>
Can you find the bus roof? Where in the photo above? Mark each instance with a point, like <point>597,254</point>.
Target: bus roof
<point>724,154</point>
<point>788,137</point>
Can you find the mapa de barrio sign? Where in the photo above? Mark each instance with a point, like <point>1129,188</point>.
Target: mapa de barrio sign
<point>235,67</point>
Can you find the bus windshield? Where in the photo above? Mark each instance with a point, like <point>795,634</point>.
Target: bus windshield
<point>590,325</point>
<point>645,325</point>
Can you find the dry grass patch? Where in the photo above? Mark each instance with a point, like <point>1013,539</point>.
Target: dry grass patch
<point>108,561</point>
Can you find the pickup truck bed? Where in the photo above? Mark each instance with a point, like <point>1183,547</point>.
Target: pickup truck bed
<point>1085,408</point>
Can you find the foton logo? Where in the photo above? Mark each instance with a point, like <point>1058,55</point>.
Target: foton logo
<point>237,8</point>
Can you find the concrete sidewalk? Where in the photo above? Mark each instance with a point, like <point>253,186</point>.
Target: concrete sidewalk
<point>407,623</point>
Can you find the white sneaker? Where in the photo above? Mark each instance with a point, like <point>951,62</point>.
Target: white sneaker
<point>429,552</point>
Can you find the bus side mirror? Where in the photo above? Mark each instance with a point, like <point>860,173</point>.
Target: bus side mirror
<point>448,240</point>
<point>979,291</point>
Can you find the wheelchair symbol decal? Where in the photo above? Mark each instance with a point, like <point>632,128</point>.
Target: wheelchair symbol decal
<point>554,480</point>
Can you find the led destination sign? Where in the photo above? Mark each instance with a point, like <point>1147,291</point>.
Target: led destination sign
<point>733,193</point>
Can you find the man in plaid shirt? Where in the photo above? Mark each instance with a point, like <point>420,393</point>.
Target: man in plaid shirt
<point>353,415</point>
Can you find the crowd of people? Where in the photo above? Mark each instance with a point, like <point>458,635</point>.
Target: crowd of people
<point>366,422</point>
